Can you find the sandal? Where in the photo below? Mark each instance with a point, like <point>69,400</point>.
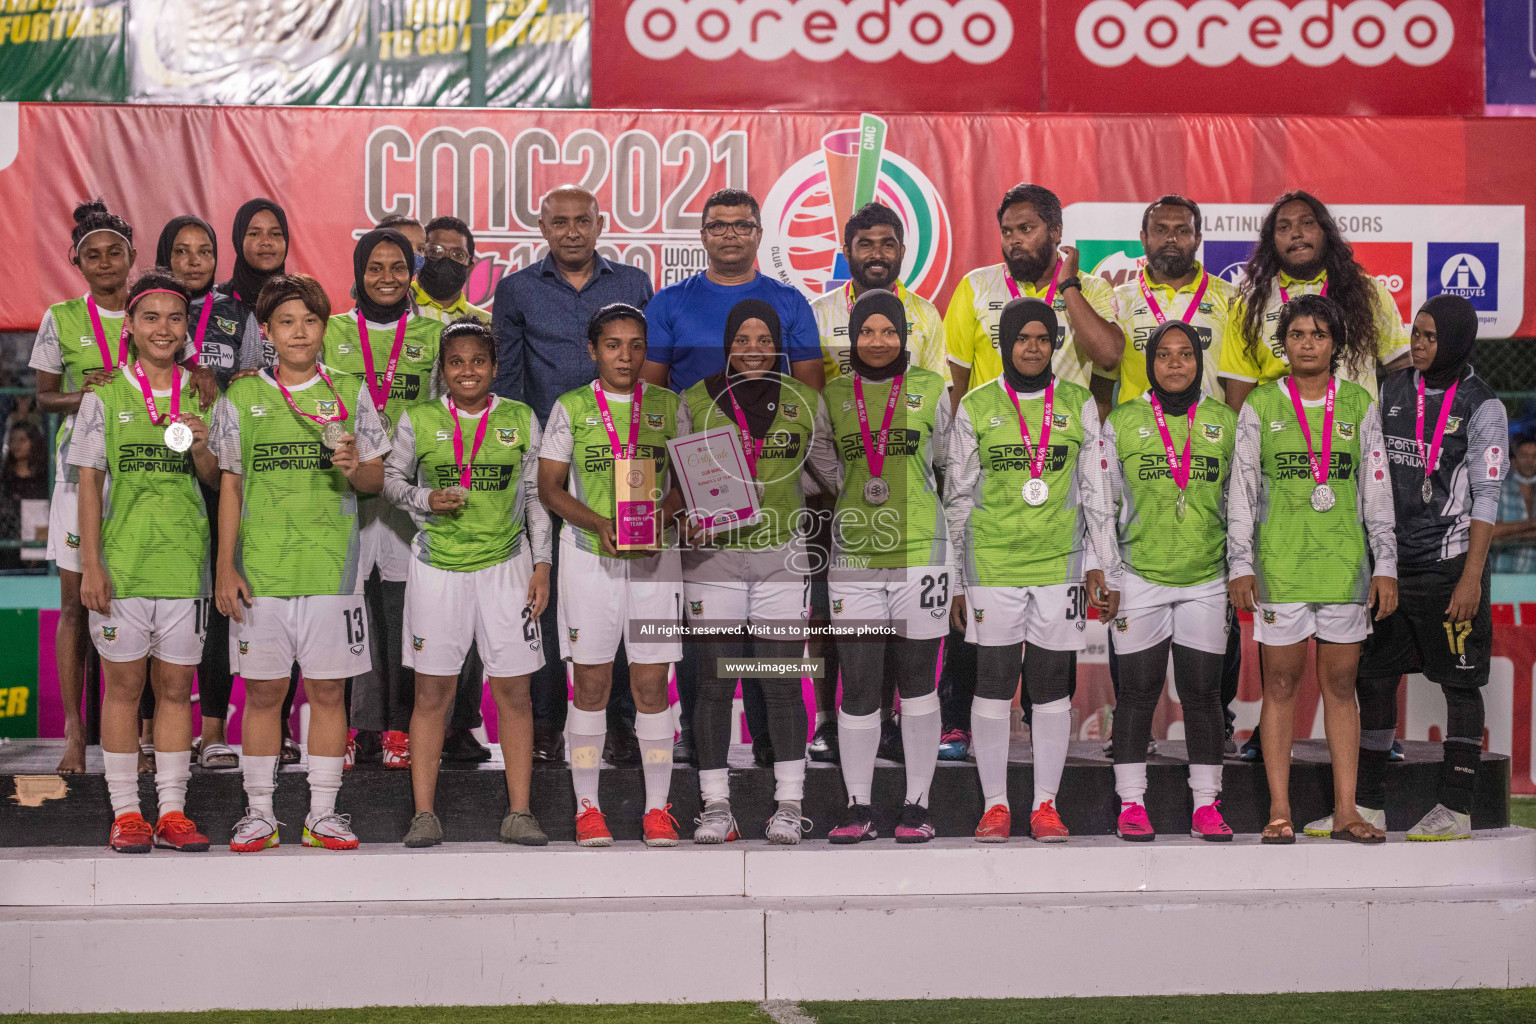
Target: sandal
<point>290,753</point>
<point>215,756</point>
<point>1362,832</point>
<point>1279,832</point>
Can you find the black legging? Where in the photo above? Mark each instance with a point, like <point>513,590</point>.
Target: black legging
<point>865,665</point>
<point>1048,675</point>
<point>1198,677</point>
<point>784,700</point>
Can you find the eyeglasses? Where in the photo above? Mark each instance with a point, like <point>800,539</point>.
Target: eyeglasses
<point>740,228</point>
<point>437,252</point>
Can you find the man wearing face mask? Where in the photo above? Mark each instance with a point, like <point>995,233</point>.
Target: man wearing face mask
<point>447,259</point>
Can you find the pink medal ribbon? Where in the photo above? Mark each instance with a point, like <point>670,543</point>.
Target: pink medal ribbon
<point>465,467</point>
<point>1432,459</point>
<point>1194,304</point>
<point>1050,293</point>
<point>137,369</point>
<point>631,449</point>
<point>1036,491</point>
<point>1322,494</point>
<point>876,490</point>
<point>202,328</point>
<point>1180,473</point>
<point>317,419</point>
<point>751,447</point>
<point>379,395</point>
<point>101,337</point>
<point>1285,296</point>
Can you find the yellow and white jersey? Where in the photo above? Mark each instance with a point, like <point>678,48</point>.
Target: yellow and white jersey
<point>1137,320</point>
<point>925,331</point>
<point>970,324</point>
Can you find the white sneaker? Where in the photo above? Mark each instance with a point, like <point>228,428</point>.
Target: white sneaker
<point>256,831</point>
<point>1322,828</point>
<point>330,831</point>
<point>717,825</point>
<point>786,826</point>
<point>1440,824</point>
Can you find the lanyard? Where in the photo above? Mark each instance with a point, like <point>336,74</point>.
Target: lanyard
<point>292,405</point>
<point>149,396</point>
<point>1432,460</point>
<point>101,337</point>
<point>631,449</point>
<point>1179,472</point>
<point>1194,304</point>
<point>459,461</point>
<point>380,396</point>
<point>202,328</point>
<point>750,447</point>
<point>1050,293</point>
<point>1319,464</point>
<point>874,451</point>
<point>1285,296</point>
<point>1037,462</point>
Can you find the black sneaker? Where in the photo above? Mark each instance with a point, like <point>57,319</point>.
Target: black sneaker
<point>856,827</point>
<point>461,747</point>
<point>762,752</point>
<point>914,826</point>
<point>824,743</point>
<point>890,742</point>
<point>683,750</point>
<point>548,743</point>
<point>622,749</point>
<point>370,747</point>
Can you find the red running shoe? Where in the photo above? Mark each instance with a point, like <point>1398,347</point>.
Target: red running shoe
<point>995,825</point>
<point>1045,825</point>
<point>397,749</point>
<point>592,827</point>
<point>660,827</point>
<point>131,834</point>
<point>175,831</point>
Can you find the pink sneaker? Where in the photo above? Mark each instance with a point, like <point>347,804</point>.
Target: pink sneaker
<point>1210,825</point>
<point>1134,825</point>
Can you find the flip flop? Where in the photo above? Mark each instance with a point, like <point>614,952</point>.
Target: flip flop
<point>1279,838</point>
<point>1349,835</point>
<point>217,756</point>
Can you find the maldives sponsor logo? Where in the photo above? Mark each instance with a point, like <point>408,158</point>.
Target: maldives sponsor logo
<point>1226,259</point>
<point>1214,33</point>
<point>804,213</point>
<point>926,31</point>
<point>1468,269</point>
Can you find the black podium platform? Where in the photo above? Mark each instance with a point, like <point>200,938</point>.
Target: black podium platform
<point>38,808</point>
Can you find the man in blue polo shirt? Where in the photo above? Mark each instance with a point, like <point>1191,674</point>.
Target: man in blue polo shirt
<point>685,321</point>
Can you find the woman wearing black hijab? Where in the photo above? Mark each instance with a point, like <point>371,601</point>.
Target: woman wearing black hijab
<point>1025,489</point>
<point>394,351</point>
<point>1170,457</point>
<point>882,443</point>
<point>753,579</point>
<point>260,238</point>
<point>1447,439</point>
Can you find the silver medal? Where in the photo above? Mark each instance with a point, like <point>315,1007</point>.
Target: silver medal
<point>1427,490</point>
<point>1180,508</point>
<point>178,437</point>
<point>332,433</point>
<point>387,424</point>
<point>877,491</point>
<point>1322,498</point>
<point>462,493</point>
<point>1036,491</point>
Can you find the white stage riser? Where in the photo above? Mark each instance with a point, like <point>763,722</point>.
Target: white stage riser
<point>630,950</point>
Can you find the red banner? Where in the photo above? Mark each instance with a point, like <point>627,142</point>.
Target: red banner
<point>1433,191</point>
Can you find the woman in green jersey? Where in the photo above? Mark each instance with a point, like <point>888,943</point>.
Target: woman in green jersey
<point>465,467</point>
<point>1310,548</point>
<point>298,443</point>
<point>80,344</point>
<point>753,581</point>
<point>144,558</point>
<point>1169,455</point>
<point>1033,526</point>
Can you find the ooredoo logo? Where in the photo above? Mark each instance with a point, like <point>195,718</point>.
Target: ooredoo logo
<point>976,31</point>
<point>1214,33</point>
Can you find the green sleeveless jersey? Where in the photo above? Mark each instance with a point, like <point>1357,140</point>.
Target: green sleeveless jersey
<point>489,529</point>
<point>66,345</point>
<point>1008,542</point>
<point>908,529</point>
<point>154,525</point>
<point>1303,554</point>
<point>786,447</point>
<point>575,434</point>
<point>298,517</point>
<point>1155,543</point>
<point>414,374</point>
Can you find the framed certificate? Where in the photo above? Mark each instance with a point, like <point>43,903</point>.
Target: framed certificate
<point>719,491</point>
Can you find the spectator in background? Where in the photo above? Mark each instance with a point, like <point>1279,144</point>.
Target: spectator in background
<point>1514,535</point>
<point>23,477</point>
<point>414,233</point>
<point>447,258</point>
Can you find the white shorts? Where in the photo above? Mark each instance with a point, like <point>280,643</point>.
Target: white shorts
<point>446,611</point>
<point>1150,613</point>
<point>599,596</point>
<point>914,601</point>
<point>1053,617</point>
<point>326,634</point>
<point>384,537</point>
<point>64,526</point>
<point>170,629</point>
<point>758,587</point>
<point>1280,624</point>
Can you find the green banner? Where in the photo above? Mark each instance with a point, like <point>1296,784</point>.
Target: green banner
<point>304,52</point>
<point>18,683</point>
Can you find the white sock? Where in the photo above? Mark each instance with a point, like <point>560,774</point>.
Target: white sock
<point>122,782</point>
<point>789,780</point>
<point>1131,783</point>
<point>655,735</point>
<point>858,739</point>
<point>588,731</point>
<point>172,770</point>
<point>991,721</point>
<point>260,782</point>
<point>822,718</point>
<point>324,784</point>
<point>1050,731</point>
<point>1205,783</point>
<point>714,784</point>
<point>920,742</point>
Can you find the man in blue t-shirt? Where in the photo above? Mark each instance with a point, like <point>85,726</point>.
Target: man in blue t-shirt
<point>685,322</point>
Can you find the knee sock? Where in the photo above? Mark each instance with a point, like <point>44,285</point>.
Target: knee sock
<point>260,774</point>
<point>172,770</point>
<point>655,735</point>
<point>1197,676</point>
<point>1131,777</point>
<point>858,738</point>
<point>714,784</point>
<point>324,784</point>
<point>589,730</point>
<point>990,722</point>
<point>920,740</point>
<point>122,782</point>
<point>789,781</point>
<point>1205,783</point>
<point>1463,747</point>
<point>1051,731</point>
<point>1371,778</point>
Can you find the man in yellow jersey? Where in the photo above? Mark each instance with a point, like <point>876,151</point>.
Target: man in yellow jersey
<point>1035,265</point>
<point>1302,252</point>
<point>448,257</point>
<point>1172,286</point>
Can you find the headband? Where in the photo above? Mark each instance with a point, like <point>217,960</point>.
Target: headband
<point>75,248</point>
<point>153,291</point>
